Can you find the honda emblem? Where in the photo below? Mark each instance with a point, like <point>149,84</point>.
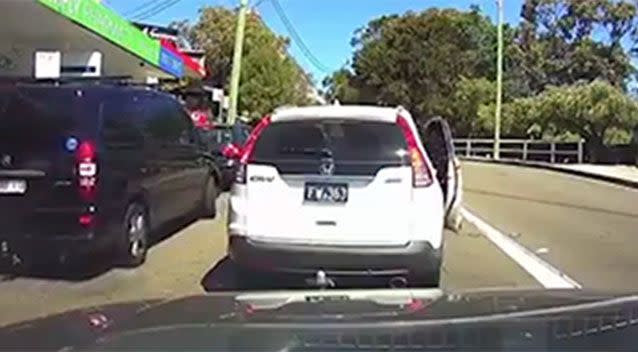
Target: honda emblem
<point>327,167</point>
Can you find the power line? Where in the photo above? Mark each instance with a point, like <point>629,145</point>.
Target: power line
<point>139,8</point>
<point>297,38</point>
<point>258,3</point>
<point>155,10</point>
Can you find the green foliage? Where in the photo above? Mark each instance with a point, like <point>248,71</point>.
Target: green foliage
<point>566,69</point>
<point>597,112</point>
<point>270,77</point>
<point>271,80</point>
<point>469,96</point>
<point>417,59</point>
<point>588,109</point>
<point>518,119</point>
<point>569,41</point>
<point>339,86</point>
<point>616,135</point>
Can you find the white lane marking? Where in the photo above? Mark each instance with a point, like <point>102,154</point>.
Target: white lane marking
<point>543,272</point>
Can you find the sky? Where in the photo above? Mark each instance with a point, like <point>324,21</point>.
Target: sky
<point>325,26</point>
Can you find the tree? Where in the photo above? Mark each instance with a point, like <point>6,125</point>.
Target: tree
<point>590,111</point>
<point>347,88</point>
<point>469,96</point>
<point>270,77</point>
<point>598,112</point>
<point>568,41</point>
<point>519,119</point>
<point>271,80</point>
<point>339,86</point>
<point>417,59</point>
<point>442,62</point>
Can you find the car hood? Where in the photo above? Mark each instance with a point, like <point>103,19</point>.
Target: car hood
<point>232,312</point>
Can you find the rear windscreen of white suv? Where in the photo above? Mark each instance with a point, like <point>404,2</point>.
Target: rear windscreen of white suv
<point>356,147</point>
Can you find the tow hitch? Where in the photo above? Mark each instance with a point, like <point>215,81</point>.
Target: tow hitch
<point>321,280</point>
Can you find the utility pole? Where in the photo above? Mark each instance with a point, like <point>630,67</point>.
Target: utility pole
<point>499,82</point>
<point>237,54</point>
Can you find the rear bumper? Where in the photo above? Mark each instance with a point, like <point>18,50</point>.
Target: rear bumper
<point>83,243</point>
<point>417,257</point>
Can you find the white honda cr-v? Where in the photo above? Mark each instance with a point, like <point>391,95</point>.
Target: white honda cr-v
<point>344,190</point>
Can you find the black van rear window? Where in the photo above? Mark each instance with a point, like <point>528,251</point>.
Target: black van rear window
<point>38,117</point>
<point>353,140</point>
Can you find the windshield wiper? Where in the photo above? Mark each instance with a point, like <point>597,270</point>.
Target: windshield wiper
<point>323,152</point>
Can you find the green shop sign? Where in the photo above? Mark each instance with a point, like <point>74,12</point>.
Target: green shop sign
<point>101,20</point>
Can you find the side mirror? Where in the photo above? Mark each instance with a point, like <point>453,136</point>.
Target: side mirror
<point>231,151</point>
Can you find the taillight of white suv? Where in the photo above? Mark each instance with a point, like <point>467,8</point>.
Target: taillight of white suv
<point>248,149</point>
<point>421,174</point>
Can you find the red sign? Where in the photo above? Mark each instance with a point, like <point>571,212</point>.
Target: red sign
<point>200,119</point>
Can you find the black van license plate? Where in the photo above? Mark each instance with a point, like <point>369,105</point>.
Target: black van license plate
<point>326,192</point>
<point>13,186</point>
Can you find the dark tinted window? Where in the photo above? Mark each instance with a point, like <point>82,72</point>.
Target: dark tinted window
<point>240,133</point>
<point>344,140</point>
<point>121,116</point>
<point>33,118</point>
<point>221,135</point>
<point>236,134</point>
<point>167,123</point>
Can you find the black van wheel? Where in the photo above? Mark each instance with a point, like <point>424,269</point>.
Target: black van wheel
<point>134,238</point>
<point>209,206</point>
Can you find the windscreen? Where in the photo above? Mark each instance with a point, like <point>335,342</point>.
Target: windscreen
<point>343,181</point>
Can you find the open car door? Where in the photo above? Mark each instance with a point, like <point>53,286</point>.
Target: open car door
<point>437,140</point>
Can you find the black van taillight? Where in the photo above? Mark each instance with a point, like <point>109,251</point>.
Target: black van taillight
<point>87,169</point>
<point>249,146</point>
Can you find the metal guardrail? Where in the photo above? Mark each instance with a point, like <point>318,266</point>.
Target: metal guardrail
<point>524,149</point>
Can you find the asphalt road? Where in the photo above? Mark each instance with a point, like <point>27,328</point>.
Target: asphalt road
<point>583,228</point>
<point>588,229</point>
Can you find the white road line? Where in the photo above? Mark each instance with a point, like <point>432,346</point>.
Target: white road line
<point>543,272</point>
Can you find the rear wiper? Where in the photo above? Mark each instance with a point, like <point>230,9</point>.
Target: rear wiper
<point>323,152</point>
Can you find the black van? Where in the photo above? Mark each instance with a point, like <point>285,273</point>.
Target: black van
<point>88,167</point>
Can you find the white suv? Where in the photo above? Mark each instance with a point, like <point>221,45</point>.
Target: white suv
<point>346,190</point>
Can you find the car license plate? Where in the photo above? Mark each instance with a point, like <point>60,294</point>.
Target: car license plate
<point>326,192</point>
<point>13,186</point>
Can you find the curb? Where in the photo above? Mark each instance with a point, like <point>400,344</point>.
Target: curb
<point>547,166</point>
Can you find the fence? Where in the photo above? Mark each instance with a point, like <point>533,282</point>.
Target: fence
<point>524,149</point>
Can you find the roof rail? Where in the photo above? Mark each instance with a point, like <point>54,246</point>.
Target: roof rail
<point>284,107</point>
<point>29,79</point>
<point>103,80</point>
